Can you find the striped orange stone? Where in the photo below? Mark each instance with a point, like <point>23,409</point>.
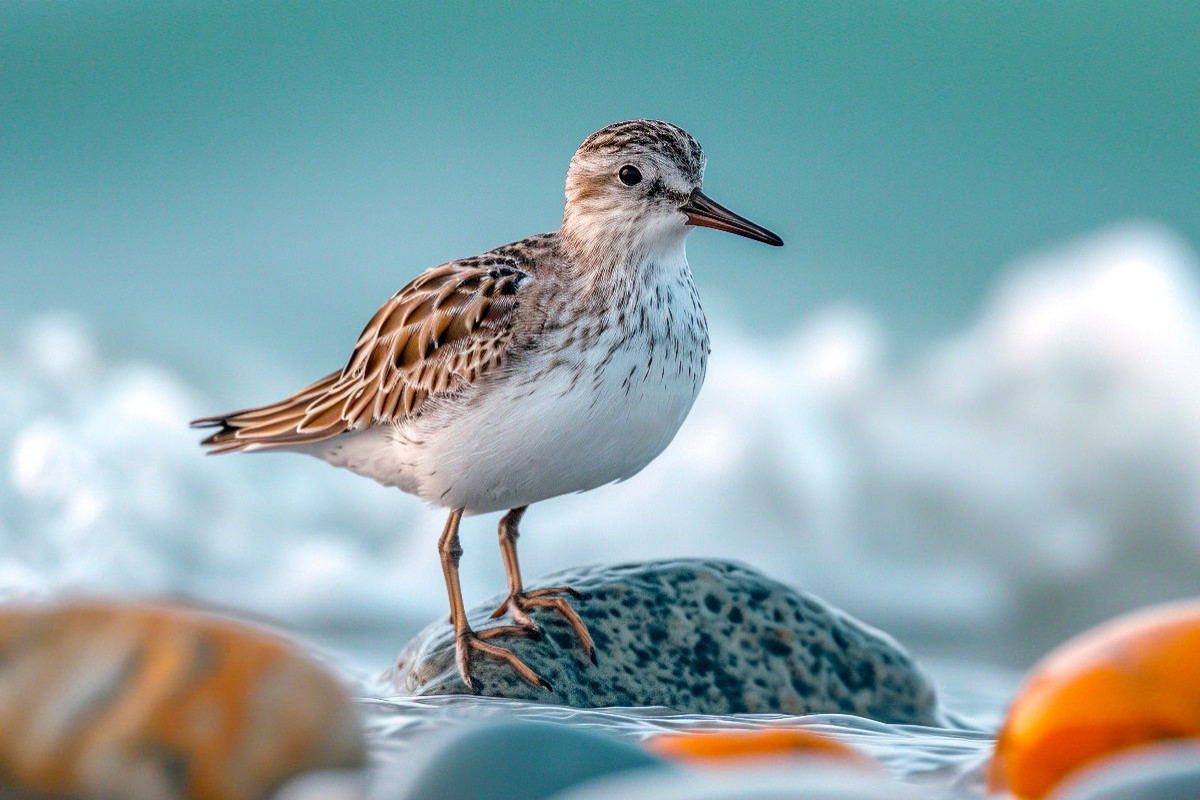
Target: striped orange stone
<point>723,747</point>
<point>1130,682</point>
<point>101,699</point>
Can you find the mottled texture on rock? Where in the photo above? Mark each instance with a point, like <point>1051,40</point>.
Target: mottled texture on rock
<point>133,700</point>
<point>708,637</point>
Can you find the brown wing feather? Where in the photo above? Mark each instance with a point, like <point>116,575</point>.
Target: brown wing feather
<point>435,336</point>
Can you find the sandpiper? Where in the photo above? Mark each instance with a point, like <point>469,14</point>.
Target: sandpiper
<point>555,364</point>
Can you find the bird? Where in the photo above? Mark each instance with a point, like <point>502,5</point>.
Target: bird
<point>556,364</point>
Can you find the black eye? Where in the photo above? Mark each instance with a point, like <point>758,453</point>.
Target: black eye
<point>629,175</point>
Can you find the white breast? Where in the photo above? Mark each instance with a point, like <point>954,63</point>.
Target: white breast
<point>564,419</point>
<point>574,414</point>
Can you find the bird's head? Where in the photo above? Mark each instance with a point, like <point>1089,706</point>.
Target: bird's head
<point>636,185</point>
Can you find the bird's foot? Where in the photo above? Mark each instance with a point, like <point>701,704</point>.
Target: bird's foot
<point>470,640</point>
<point>518,604</point>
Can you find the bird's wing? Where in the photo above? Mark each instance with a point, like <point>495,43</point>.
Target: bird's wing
<point>436,336</point>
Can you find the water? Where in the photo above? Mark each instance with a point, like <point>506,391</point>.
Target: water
<point>981,500</point>
<point>939,758</point>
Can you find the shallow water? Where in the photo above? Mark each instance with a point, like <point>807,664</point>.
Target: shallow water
<point>940,758</point>
<point>945,756</point>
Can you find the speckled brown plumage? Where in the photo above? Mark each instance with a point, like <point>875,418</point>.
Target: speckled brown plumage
<point>435,336</point>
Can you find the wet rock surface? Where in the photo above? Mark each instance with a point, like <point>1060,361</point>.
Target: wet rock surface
<point>1169,771</point>
<point>781,782</point>
<point>137,700</point>
<point>709,637</point>
<point>517,760</point>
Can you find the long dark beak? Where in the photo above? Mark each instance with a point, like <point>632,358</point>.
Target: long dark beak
<point>702,210</point>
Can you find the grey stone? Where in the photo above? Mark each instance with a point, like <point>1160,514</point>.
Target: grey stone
<point>810,781</point>
<point>709,637</point>
<point>518,760</point>
<point>1168,771</point>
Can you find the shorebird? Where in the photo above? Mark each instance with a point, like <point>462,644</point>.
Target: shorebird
<point>555,364</point>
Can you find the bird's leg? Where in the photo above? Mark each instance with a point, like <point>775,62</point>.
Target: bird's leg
<point>519,601</point>
<point>466,639</point>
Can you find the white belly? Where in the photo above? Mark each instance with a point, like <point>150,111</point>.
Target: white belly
<point>537,432</point>
<point>569,430</point>
<point>556,421</point>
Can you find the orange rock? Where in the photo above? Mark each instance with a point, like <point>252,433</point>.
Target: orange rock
<point>719,747</point>
<point>134,700</point>
<point>1129,682</point>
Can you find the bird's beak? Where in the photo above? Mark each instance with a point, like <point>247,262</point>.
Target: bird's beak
<point>703,211</point>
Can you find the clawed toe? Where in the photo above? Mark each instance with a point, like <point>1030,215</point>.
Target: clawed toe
<point>555,590</point>
<point>470,640</point>
<point>519,603</point>
<point>532,631</point>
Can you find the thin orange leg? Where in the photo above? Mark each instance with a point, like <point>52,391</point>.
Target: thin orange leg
<point>519,601</point>
<point>465,639</point>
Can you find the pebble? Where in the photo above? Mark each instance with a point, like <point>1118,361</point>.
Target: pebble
<point>1130,682</point>
<point>1164,772</point>
<point>709,637</point>
<point>160,702</point>
<point>508,761</point>
<point>781,745</point>
<point>810,782</point>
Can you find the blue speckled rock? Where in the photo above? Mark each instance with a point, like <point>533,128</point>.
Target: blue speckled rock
<point>707,637</point>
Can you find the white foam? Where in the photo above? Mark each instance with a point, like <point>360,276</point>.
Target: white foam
<point>1005,487</point>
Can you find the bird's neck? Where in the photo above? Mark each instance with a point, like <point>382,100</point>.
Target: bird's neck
<point>623,259</point>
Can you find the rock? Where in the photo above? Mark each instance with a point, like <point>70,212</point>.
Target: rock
<point>509,761</point>
<point>326,785</point>
<point>706,637</point>
<point>1159,772</point>
<point>1132,681</point>
<point>107,700</point>
<point>757,746</point>
<point>812,781</point>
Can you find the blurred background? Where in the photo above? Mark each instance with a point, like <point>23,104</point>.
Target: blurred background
<point>963,402</point>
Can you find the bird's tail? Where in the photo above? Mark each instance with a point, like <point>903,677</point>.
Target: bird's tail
<point>276,425</point>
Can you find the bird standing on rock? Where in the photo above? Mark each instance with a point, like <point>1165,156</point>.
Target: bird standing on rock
<point>555,364</point>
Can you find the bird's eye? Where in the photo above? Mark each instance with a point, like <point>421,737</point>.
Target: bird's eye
<point>629,175</point>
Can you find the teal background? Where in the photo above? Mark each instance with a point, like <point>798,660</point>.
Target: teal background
<point>193,177</point>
